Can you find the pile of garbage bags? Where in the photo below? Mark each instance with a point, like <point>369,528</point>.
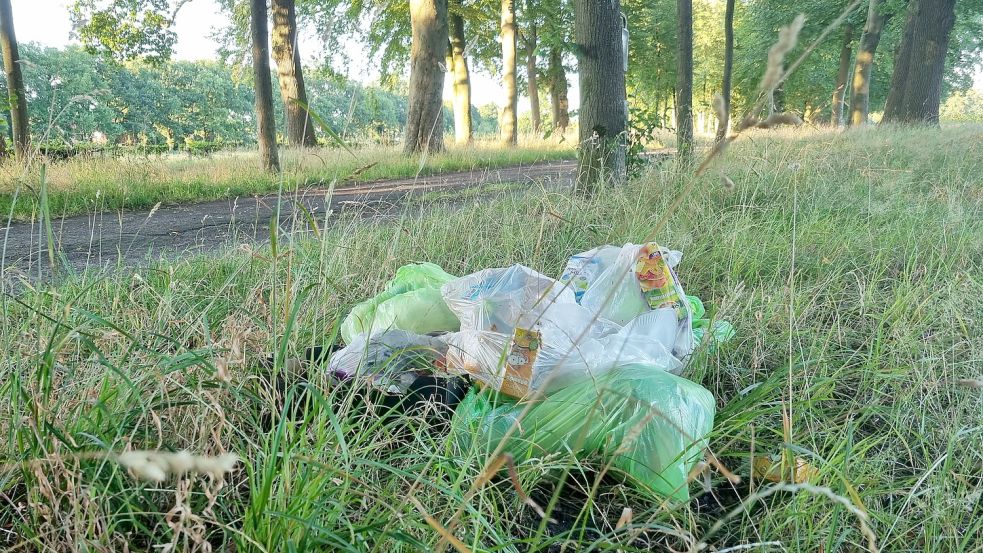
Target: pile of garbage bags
<point>585,364</point>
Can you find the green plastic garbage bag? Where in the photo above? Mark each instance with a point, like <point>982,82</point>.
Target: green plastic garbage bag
<point>419,311</point>
<point>720,331</point>
<point>415,276</point>
<point>644,420</point>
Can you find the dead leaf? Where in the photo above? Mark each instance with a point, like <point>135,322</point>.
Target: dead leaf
<point>773,469</point>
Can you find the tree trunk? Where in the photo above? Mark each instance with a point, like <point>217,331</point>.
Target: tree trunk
<point>902,61</point>
<point>728,68</point>
<point>533,81</point>
<point>425,115</point>
<point>286,53</point>
<point>860,97</point>
<point>558,93</point>
<point>684,79</point>
<point>846,52</point>
<point>918,101</point>
<point>20,124</point>
<point>462,81</point>
<point>602,94</point>
<point>510,125</point>
<point>265,123</point>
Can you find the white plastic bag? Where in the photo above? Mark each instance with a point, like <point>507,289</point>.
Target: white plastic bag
<point>614,294</point>
<point>501,299</point>
<point>648,340</point>
<point>641,278</point>
<point>523,333</point>
<point>566,345</point>
<point>388,360</point>
<point>583,268</point>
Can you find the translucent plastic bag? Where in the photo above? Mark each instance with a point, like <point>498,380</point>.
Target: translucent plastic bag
<point>501,299</point>
<point>571,345</point>
<point>560,348</point>
<point>523,333</point>
<point>647,422</point>
<point>518,329</point>
<point>640,279</point>
<point>408,278</point>
<point>648,339</point>
<point>583,268</point>
<point>390,361</point>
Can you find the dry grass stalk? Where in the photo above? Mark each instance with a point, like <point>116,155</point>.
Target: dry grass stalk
<point>719,109</point>
<point>779,119</point>
<point>788,37</point>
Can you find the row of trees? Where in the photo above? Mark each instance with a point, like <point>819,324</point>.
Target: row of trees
<point>664,55</point>
<point>73,96</point>
<point>675,68</point>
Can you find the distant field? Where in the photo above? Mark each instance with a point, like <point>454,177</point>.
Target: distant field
<point>77,186</point>
<point>850,263</point>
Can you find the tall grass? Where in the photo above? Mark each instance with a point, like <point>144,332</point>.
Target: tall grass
<point>84,185</point>
<point>850,265</point>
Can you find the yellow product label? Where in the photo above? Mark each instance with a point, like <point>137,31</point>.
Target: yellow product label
<point>518,364</point>
<point>655,278</point>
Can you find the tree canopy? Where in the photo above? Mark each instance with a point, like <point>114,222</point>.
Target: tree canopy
<point>74,95</point>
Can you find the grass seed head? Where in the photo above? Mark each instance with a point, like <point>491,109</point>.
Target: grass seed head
<point>788,37</point>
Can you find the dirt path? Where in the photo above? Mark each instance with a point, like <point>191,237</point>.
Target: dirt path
<point>110,239</point>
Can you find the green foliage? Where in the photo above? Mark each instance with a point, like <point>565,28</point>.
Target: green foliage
<point>77,97</point>
<point>127,30</point>
<point>202,148</point>
<point>651,78</point>
<point>963,107</point>
<point>652,54</point>
<point>965,47</point>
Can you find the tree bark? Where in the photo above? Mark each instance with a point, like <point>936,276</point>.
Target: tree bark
<point>265,123</point>
<point>684,79</point>
<point>462,81</point>
<point>558,92</point>
<point>425,115</point>
<point>860,96</point>
<point>920,84</point>
<point>286,53</point>
<point>602,94</point>
<point>839,88</point>
<point>510,127</point>
<point>20,124</point>
<point>532,79</point>
<point>728,68</point>
<point>902,61</point>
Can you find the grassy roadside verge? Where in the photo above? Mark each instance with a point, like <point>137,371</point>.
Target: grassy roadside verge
<point>850,265</point>
<point>82,186</point>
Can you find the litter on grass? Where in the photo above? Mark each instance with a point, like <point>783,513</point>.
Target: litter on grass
<point>591,359</point>
<point>642,420</point>
<point>411,302</point>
